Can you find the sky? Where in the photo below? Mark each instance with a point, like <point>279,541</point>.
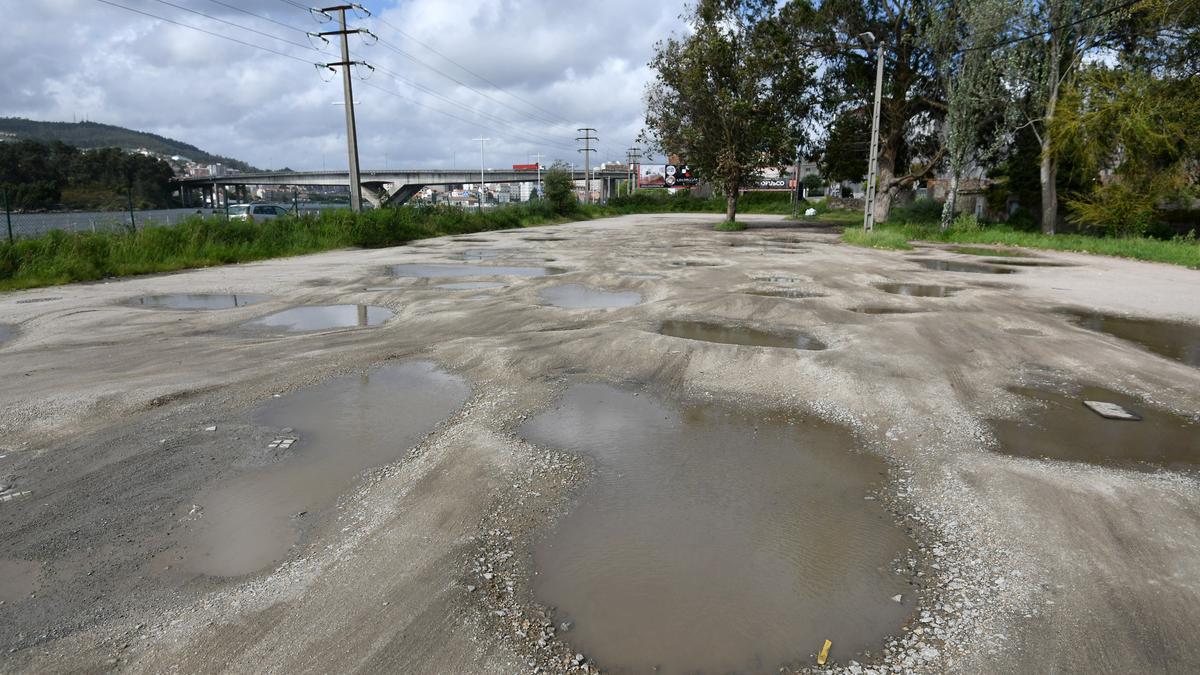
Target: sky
<point>523,73</point>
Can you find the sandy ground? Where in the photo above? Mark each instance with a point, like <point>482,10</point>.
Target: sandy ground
<point>1022,565</point>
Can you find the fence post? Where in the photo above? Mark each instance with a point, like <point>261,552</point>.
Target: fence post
<point>296,201</point>
<point>8,216</point>
<point>132,221</point>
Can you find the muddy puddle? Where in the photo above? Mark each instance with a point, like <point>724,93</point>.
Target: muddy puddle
<point>715,540</point>
<point>1029,263</point>
<point>197,301</point>
<point>338,429</point>
<point>790,293</point>
<point>578,296</point>
<point>30,301</point>
<point>780,280</point>
<point>18,578</point>
<point>471,285</point>
<point>886,310</point>
<point>694,263</point>
<point>546,238</point>
<point>7,333</point>
<point>918,290</point>
<point>984,251</point>
<point>322,317</point>
<point>737,335</point>
<point>441,271</point>
<point>1058,426</point>
<point>1177,341</point>
<point>644,277</point>
<point>955,266</point>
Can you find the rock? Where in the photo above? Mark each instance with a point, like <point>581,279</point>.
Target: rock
<point>212,428</point>
<point>470,589</point>
<point>898,598</point>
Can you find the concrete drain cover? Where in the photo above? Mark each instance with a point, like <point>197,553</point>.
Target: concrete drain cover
<point>1112,411</point>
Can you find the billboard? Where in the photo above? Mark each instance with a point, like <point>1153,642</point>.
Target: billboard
<point>652,176</point>
<point>680,175</point>
<point>525,167</point>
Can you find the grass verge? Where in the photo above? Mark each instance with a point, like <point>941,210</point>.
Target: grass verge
<point>730,226</point>
<point>878,238</point>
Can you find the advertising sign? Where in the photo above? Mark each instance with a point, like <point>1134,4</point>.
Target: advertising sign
<point>652,176</point>
<point>679,175</point>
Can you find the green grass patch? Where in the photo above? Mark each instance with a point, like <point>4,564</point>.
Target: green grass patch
<point>730,226</point>
<point>61,257</point>
<point>988,252</point>
<point>1183,251</point>
<point>878,238</point>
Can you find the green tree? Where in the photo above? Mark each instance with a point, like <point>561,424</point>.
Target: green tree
<point>913,102</point>
<point>729,96</point>
<point>560,189</point>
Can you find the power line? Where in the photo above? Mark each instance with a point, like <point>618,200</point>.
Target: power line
<point>230,23</point>
<point>208,32</point>
<point>259,16</point>
<point>1053,29</point>
<point>468,70</point>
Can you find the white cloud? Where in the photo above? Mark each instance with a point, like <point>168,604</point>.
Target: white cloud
<point>543,67</point>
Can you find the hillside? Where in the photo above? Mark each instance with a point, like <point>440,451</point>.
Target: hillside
<point>96,135</point>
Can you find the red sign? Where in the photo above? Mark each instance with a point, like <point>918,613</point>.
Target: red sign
<point>525,167</point>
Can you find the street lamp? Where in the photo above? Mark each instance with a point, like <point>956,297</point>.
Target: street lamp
<point>867,39</point>
<point>481,142</point>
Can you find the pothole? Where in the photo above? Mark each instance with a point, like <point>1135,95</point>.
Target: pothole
<point>918,290</point>
<point>644,277</point>
<point>1060,427</point>
<point>780,280</point>
<point>18,579</point>
<point>984,251</point>
<point>693,263</point>
<point>1025,332</point>
<point>877,309</point>
<point>439,271</point>
<point>954,266</point>
<point>7,332</point>
<point>1177,341</point>
<point>471,285</point>
<point>471,240</point>
<point>1029,263</point>
<point>790,293</point>
<point>578,296</point>
<point>30,301</point>
<point>197,301</point>
<point>715,539</point>
<point>737,335</point>
<point>546,238</point>
<point>324,437</point>
<point>322,317</point>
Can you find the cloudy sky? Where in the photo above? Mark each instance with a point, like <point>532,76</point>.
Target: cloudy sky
<point>524,73</point>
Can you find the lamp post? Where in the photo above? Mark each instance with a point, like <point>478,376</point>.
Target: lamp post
<point>481,142</point>
<point>873,162</point>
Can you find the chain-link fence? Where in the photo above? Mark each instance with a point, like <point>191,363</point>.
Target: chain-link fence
<point>16,225</point>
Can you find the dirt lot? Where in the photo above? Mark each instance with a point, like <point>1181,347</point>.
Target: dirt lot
<point>115,419</point>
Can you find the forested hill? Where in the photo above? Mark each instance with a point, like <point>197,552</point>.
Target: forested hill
<point>96,135</point>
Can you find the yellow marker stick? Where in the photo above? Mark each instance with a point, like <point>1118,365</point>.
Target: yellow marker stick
<point>824,655</point>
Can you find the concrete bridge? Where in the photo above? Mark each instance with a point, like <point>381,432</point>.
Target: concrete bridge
<point>392,186</point>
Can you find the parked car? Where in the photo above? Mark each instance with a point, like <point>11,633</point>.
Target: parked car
<point>253,212</point>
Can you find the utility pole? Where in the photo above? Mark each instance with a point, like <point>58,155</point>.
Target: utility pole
<point>798,195</point>
<point>587,151</point>
<point>873,163</point>
<point>348,91</point>
<point>481,140</point>
<point>633,157</point>
<point>539,166</point>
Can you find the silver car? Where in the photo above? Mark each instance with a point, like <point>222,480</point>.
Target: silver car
<point>253,212</point>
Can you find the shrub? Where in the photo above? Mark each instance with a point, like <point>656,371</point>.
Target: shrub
<point>560,191</point>
<point>920,212</point>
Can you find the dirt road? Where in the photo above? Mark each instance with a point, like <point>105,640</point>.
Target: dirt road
<point>123,428</point>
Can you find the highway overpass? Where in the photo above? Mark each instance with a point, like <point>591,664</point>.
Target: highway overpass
<point>390,186</point>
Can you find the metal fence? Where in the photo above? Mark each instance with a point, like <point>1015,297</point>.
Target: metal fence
<point>17,225</point>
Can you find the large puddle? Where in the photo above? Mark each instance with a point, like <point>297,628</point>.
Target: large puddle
<point>7,333</point>
<point>441,271</point>
<point>196,301</point>
<point>715,540</point>
<point>955,266</point>
<point>1060,427</point>
<point>344,427</point>
<point>737,335</point>
<point>790,293</point>
<point>918,290</point>
<point>578,296</point>
<point>323,317</point>
<point>1178,341</point>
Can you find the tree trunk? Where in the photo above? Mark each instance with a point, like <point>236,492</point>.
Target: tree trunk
<point>1049,180</point>
<point>887,171</point>
<point>951,202</point>
<point>731,206</point>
